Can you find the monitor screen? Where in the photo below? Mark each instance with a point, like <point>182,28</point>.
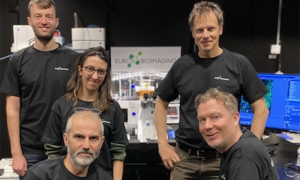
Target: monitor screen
<point>283,102</point>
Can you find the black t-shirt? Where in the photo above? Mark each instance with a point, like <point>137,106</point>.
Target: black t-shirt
<point>191,75</point>
<point>38,78</point>
<point>247,159</point>
<point>113,122</point>
<point>55,169</point>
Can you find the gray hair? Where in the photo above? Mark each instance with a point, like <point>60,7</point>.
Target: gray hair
<point>228,99</point>
<point>42,3</point>
<point>82,114</point>
<point>205,7</point>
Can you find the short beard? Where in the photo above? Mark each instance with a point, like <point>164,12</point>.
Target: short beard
<point>82,162</point>
<point>44,38</point>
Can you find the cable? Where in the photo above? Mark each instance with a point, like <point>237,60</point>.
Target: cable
<point>137,174</point>
<point>31,41</point>
<point>2,58</point>
<point>68,45</point>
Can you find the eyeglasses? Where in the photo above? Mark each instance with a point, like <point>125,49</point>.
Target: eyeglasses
<point>91,71</point>
<point>80,109</point>
<point>291,170</point>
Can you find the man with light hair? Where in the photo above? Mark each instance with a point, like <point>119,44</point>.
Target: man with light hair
<point>84,139</point>
<point>34,78</point>
<point>243,155</point>
<point>194,73</point>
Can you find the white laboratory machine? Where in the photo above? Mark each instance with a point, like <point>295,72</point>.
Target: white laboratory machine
<point>23,37</point>
<point>138,105</point>
<point>136,73</point>
<point>8,173</point>
<point>131,111</point>
<point>84,38</point>
<point>146,125</point>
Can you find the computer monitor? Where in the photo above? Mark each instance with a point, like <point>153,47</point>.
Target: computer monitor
<point>283,102</point>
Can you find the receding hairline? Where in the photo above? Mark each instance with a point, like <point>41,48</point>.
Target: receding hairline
<point>86,116</point>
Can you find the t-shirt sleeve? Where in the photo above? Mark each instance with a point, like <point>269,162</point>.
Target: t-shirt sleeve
<point>242,168</point>
<point>30,176</point>
<point>11,85</point>
<point>118,139</point>
<point>252,87</point>
<point>119,132</point>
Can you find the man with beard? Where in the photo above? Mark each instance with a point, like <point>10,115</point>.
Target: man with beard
<point>83,138</point>
<point>35,77</point>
